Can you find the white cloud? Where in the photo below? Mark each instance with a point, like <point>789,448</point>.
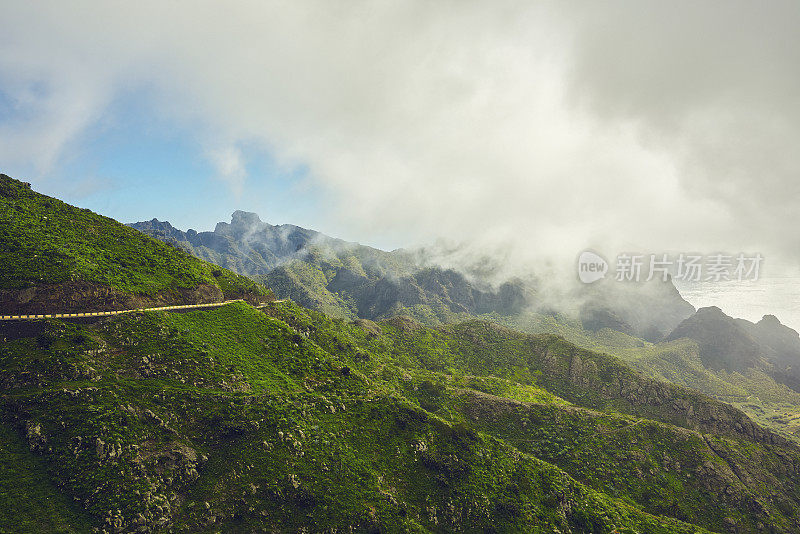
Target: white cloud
<point>230,166</point>
<point>554,127</point>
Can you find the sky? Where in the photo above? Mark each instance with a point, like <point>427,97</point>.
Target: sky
<point>540,128</point>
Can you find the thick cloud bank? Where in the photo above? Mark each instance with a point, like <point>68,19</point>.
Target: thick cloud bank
<point>649,126</point>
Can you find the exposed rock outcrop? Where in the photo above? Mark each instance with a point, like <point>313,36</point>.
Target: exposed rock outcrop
<point>86,297</point>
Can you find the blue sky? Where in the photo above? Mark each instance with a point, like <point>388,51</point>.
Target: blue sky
<point>134,165</point>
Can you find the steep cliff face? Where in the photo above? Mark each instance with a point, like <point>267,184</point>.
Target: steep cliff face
<point>738,344</point>
<point>432,295</point>
<point>444,291</point>
<point>648,310</point>
<point>779,345</point>
<point>723,343</point>
<point>599,381</point>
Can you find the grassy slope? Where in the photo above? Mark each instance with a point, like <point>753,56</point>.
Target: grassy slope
<point>418,430</point>
<point>305,282</point>
<point>666,469</point>
<point>769,403</point>
<point>46,241</point>
<point>232,420</point>
<point>28,500</point>
<point>603,340</point>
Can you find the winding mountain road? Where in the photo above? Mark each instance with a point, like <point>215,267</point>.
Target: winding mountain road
<point>116,312</point>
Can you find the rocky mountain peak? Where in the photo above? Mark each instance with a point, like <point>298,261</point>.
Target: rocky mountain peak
<point>769,320</point>
<point>723,342</point>
<point>245,218</point>
<point>711,312</point>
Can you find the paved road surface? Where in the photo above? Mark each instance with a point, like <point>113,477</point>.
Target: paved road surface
<point>116,312</point>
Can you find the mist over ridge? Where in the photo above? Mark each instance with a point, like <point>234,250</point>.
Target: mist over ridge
<point>439,283</point>
<point>401,266</point>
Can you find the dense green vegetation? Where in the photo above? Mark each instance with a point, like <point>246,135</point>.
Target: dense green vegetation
<point>753,390</point>
<point>602,340</point>
<point>306,282</point>
<point>45,241</point>
<point>236,419</point>
<point>282,418</point>
<point>28,499</point>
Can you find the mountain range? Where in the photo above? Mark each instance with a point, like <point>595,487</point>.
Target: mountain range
<point>350,280</point>
<point>246,244</point>
<point>263,415</point>
<point>340,278</point>
<point>751,365</point>
<point>756,366</point>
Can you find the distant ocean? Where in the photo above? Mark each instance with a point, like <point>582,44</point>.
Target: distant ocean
<point>751,300</point>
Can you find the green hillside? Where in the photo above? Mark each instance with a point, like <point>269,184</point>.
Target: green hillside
<point>234,419</point>
<point>230,419</point>
<point>29,500</point>
<point>46,242</point>
<point>280,418</point>
<point>759,391</point>
<point>756,392</point>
